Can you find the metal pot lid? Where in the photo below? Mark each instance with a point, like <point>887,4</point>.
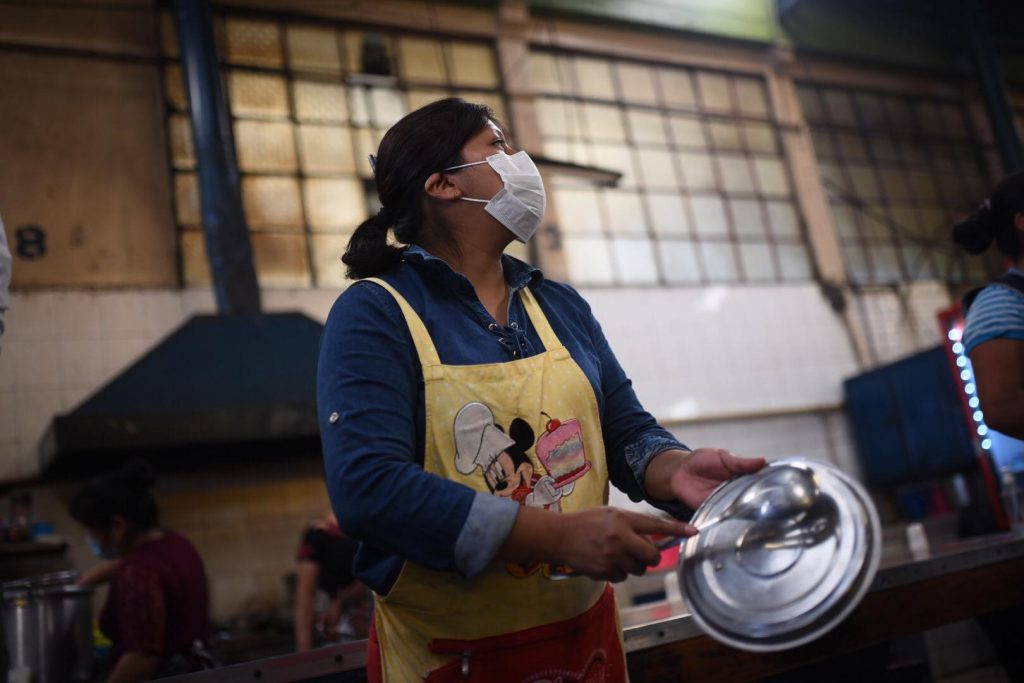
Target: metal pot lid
<point>766,586</point>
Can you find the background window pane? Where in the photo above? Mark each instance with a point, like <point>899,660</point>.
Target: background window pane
<point>657,169</point>
<point>544,73</point>
<point>783,219</point>
<point>175,87</point>
<point>760,137</point>
<point>326,150</point>
<point>473,65</point>
<point>846,222</point>
<point>594,78</point>
<point>615,158</point>
<point>253,42</point>
<point>725,135</point>
<point>676,88</point>
<point>334,205</point>
<point>636,262</point>
<point>320,102</point>
<point>687,131</point>
<point>698,173</point>
<point>709,216</point>
<point>719,261</point>
<point>714,91</point>
<point>265,146</point>
<point>272,203</point>
<point>186,199</point>
<point>839,107</point>
<point>578,210</point>
<point>589,260</point>
<point>810,102</point>
<point>668,214</point>
<point>559,118</point>
<point>421,59</point>
<point>735,173</point>
<point>257,95</point>
<point>863,180</point>
<point>182,155</point>
<point>281,260</point>
<point>646,126</point>
<point>195,268</point>
<point>604,122</point>
<point>857,263</point>
<point>637,83</point>
<point>794,262</point>
<point>679,262</point>
<point>771,176</point>
<point>748,219</point>
<point>327,266</point>
<point>313,49</point>
<point>757,261</point>
<point>886,264</point>
<point>751,96</point>
<point>625,213</point>
<point>870,110</point>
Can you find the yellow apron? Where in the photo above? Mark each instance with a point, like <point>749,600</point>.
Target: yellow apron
<point>526,429</point>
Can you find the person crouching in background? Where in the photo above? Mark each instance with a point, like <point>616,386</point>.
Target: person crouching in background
<point>324,560</point>
<point>157,606</point>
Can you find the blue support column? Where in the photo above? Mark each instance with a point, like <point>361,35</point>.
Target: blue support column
<point>227,235</point>
<point>993,87</point>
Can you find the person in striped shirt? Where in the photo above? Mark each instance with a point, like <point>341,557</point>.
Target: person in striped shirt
<point>994,329</point>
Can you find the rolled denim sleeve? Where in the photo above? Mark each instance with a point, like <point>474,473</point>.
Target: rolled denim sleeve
<point>368,393</point>
<point>488,524</point>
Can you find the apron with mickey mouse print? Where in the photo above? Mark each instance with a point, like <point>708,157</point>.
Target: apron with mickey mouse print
<point>529,430</point>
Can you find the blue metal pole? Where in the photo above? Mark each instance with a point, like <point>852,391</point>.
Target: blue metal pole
<point>993,87</point>
<point>227,236</point>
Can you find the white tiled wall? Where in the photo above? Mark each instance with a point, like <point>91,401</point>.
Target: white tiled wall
<point>715,351</point>
<point>692,354</point>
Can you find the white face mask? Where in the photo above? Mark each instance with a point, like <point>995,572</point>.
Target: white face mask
<point>519,206</point>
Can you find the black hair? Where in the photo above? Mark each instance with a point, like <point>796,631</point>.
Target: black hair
<point>422,142</point>
<point>124,493</point>
<point>995,220</point>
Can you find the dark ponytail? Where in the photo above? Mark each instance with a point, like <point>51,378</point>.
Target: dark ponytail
<point>994,220</point>
<point>125,493</point>
<point>422,142</point>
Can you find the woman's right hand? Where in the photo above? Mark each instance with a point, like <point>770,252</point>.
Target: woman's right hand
<point>608,543</point>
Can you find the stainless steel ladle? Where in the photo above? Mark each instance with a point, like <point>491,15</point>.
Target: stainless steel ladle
<point>784,493</point>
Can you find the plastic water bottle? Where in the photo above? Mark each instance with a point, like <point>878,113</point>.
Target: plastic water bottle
<point>1011,499</point>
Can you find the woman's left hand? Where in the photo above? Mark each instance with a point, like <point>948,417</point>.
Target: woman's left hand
<point>699,473</point>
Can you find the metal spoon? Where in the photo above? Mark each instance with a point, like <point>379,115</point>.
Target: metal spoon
<point>782,494</point>
<point>817,525</point>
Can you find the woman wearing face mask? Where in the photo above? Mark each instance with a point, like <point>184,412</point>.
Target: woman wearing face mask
<point>994,329</point>
<point>472,416</point>
<point>157,604</point>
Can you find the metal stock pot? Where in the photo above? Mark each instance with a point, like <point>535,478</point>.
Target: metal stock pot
<point>48,627</point>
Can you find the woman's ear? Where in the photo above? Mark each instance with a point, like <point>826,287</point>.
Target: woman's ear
<point>440,186</point>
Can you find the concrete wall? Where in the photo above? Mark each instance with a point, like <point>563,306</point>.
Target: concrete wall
<point>85,160</point>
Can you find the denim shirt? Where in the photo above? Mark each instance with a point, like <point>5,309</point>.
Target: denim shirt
<point>370,398</point>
